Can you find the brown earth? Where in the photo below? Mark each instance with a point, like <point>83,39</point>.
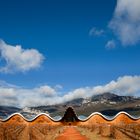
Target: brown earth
<point>71,133</point>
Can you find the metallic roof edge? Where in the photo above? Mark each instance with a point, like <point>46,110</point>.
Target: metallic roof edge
<point>57,120</point>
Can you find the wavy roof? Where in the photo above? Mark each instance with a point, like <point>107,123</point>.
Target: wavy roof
<point>69,113</point>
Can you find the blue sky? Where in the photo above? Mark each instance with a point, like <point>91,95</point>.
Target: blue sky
<point>77,43</point>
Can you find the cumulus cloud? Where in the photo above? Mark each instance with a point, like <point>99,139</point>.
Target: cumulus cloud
<point>110,44</point>
<point>96,32</point>
<point>46,95</point>
<point>18,59</point>
<point>126,85</point>
<point>21,97</point>
<point>126,22</point>
<point>46,90</point>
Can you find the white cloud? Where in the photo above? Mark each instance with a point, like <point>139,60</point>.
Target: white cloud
<point>21,97</point>
<point>46,90</point>
<point>96,32</point>
<point>126,85</point>
<point>18,59</point>
<point>111,44</point>
<point>126,22</point>
<point>47,95</point>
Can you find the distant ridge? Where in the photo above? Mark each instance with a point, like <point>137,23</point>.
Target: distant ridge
<point>108,104</point>
<point>108,96</point>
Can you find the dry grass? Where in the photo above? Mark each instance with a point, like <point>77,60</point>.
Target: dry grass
<point>106,132</point>
<point>92,135</point>
<point>52,135</point>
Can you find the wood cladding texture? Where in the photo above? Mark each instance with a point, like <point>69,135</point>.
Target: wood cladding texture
<point>45,128</point>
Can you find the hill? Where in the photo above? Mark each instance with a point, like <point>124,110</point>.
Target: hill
<point>107,103</point>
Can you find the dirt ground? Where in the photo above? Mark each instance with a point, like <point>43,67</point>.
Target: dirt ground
<point>71,133</point>
<point>96,133</point>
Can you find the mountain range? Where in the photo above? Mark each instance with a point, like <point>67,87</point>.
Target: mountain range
<point>107,103</point>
